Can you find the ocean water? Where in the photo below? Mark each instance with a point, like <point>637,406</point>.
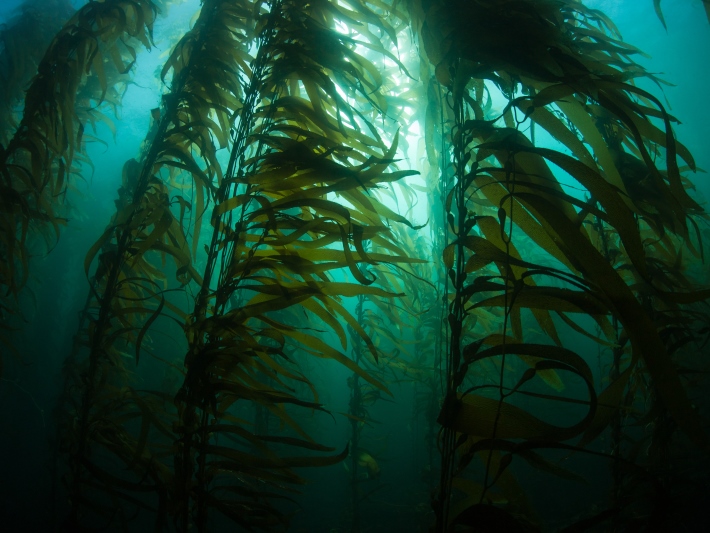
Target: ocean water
<point>389,430</point>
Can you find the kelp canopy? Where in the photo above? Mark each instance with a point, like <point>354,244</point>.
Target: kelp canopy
<point>474,211</point>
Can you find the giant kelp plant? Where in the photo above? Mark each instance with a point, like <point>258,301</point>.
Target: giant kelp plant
<point>544,315</point>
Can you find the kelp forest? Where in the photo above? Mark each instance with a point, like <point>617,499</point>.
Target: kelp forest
<point>350,266</point>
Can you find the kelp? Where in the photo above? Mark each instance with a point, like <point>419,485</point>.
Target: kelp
<point>277,234</point>
<point>268,179</point>
<point>129,291</point>
<point>268,261</point>
<point>23,41</point>
<point>81,72</point>
<point>543,57</point>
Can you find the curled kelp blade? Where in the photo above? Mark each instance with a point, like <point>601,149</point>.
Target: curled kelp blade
<point>640,329</point>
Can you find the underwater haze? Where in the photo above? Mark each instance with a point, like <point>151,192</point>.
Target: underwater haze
<point>354,266</point>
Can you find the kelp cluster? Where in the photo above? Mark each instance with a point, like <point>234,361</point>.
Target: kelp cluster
<point>528,243</point>
<point>275,237</point>
<point>263,201</point>
<point>82,73</point>
<point>24,40</point>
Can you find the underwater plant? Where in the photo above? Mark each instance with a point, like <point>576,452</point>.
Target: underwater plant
<point>24,40</point>
<point>82,71</point>
<point>270,221</point>
<point>539,56</point>
<point>264,253</point>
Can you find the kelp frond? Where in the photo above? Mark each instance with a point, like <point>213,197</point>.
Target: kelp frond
<point>78,73</point>
<point>559,71</point>
<point>128,289</point>
<point>301,154</point>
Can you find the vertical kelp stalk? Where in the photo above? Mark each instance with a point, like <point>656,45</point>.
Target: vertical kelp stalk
<point>439,114</point>
<point>509,288</point>
<point>445,147</point>
<point>99,327</point>
<point>441,243</point>
<point>456,314</point>
<point>276,235</point>
<point>237,166</point>
<point>124,284</point>
<point>356,421</point>
<point>190,398</point>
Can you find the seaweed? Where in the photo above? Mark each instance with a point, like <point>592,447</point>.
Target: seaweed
<point>24,39</point>
<point>536,55</point>
<point>81,71</point>
<point>267,222</point>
